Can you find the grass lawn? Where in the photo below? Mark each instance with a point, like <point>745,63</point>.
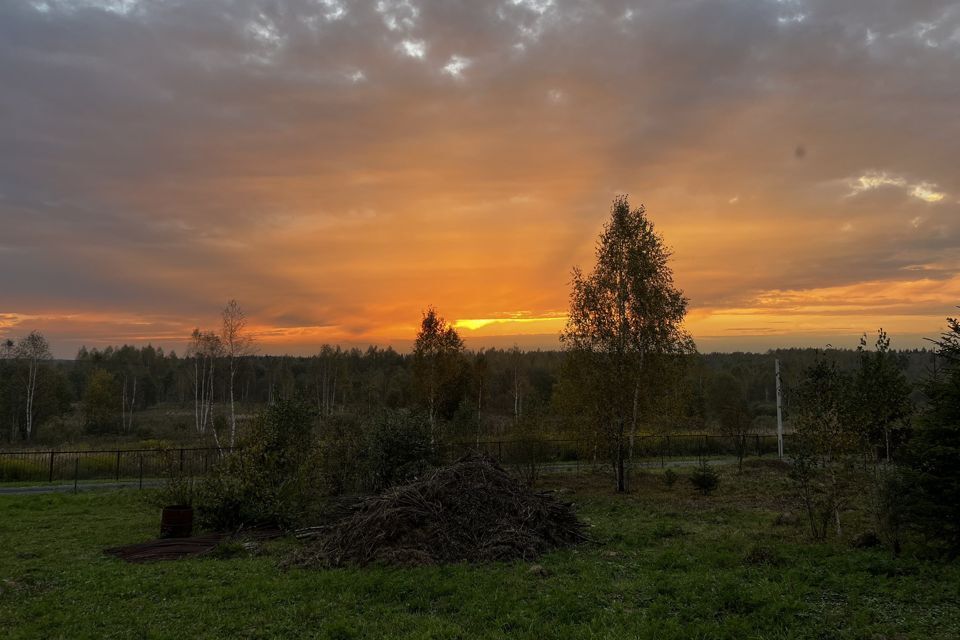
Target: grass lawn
<point>671,565</point>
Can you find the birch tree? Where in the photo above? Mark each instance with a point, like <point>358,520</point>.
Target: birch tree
<point>883,394</point>
<point>237,344</point>
<point>205,349</point>
<point>624,327</point>
<point>33,350</point>
<point>437,358</point>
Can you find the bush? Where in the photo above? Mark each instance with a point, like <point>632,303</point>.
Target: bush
<point>270,480</point>
<point>930,480</point>
<point>385,449</point>
<point>670,478</point>
<point>397,450</point>
<point>704,479</point>
<point>890,487</point>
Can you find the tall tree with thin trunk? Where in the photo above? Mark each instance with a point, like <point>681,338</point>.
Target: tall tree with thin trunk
<point>33,350</point>
<point>883,395</point>
<point>728,406</point>
<point>237,344</point>
<point>437,357</point>
<point>624,328</point>
<point>205,349</point>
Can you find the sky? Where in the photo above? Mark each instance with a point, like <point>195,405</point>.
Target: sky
<point>338,166</point>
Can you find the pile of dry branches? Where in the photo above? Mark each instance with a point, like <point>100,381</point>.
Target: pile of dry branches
<point>470,511</point>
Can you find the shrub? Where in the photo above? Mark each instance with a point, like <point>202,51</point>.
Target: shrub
<point>387,448</point>
<point>397,449</point>
<point>705,479</point>
<point>670,478</point>
<point>889,488</point>
<point>270,480</point>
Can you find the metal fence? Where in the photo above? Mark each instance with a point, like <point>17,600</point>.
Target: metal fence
<point>646,448</point>
<point>559,454</point>
<point>104,464</point>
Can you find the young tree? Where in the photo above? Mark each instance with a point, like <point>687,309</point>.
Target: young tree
<point>237,344</point>
<point>205,349</point>
<point>624,327</point>
<point>827,436</point>
<point>883,394</point>
<point>33,350</point>
<point>480,367</point>
<point>932,457</point>
<point>731,411</point>
<point>100,402</point>
<point>437,361</point>
<point>516,365</point>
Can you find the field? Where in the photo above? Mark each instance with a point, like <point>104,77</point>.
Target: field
<point>668,563</point>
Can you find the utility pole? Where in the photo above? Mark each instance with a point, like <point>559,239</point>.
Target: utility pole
<point>779,412</point>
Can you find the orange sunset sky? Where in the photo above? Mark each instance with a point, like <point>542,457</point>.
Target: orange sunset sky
<point>338,166</point>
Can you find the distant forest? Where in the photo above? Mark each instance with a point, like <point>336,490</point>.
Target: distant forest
<point>487,392</point>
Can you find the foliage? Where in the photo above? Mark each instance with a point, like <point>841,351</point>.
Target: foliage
<point>932,458</point>
<point>397,449</point>
<point>624,327</point>
<point>100,403</point>
<point>882,395</point>
<point>729,408</point>
<point>529,429</point>
<point>369,454</point>
<point>670,478</point>
<point>827,435</point>
<point>439,366</point>
<point>705,479</point>
<point>273,477</point>
<point>891,487</point>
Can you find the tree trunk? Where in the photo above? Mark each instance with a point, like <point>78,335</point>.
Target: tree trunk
<point>233,415</point>
<point>621,475</point>
<point>31,390</point>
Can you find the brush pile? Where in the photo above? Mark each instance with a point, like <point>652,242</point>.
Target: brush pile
<point>470,511</point>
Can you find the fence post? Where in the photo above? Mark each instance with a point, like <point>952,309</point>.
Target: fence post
<point>181,460</point>
<point>116,474</point>
<point>76,472</point>
<point>141,472</point>
<point>50,475</point>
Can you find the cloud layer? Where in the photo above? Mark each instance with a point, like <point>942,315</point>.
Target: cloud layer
<point>337,166</point>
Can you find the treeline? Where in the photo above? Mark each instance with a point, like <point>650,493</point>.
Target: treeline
<point>103,391</point>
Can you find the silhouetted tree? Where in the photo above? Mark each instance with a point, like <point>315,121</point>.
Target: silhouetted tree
<point>237,344</point>
<point>932,457</point>
<point>437,362</point>
<point>730,410</point>
<point>827,435</point>
<point>624,326</point>
<point>883,394</point>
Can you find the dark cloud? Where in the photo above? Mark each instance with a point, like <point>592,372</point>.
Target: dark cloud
<point>159,156</point>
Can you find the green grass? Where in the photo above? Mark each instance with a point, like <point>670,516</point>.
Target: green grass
<point>671,565</point>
